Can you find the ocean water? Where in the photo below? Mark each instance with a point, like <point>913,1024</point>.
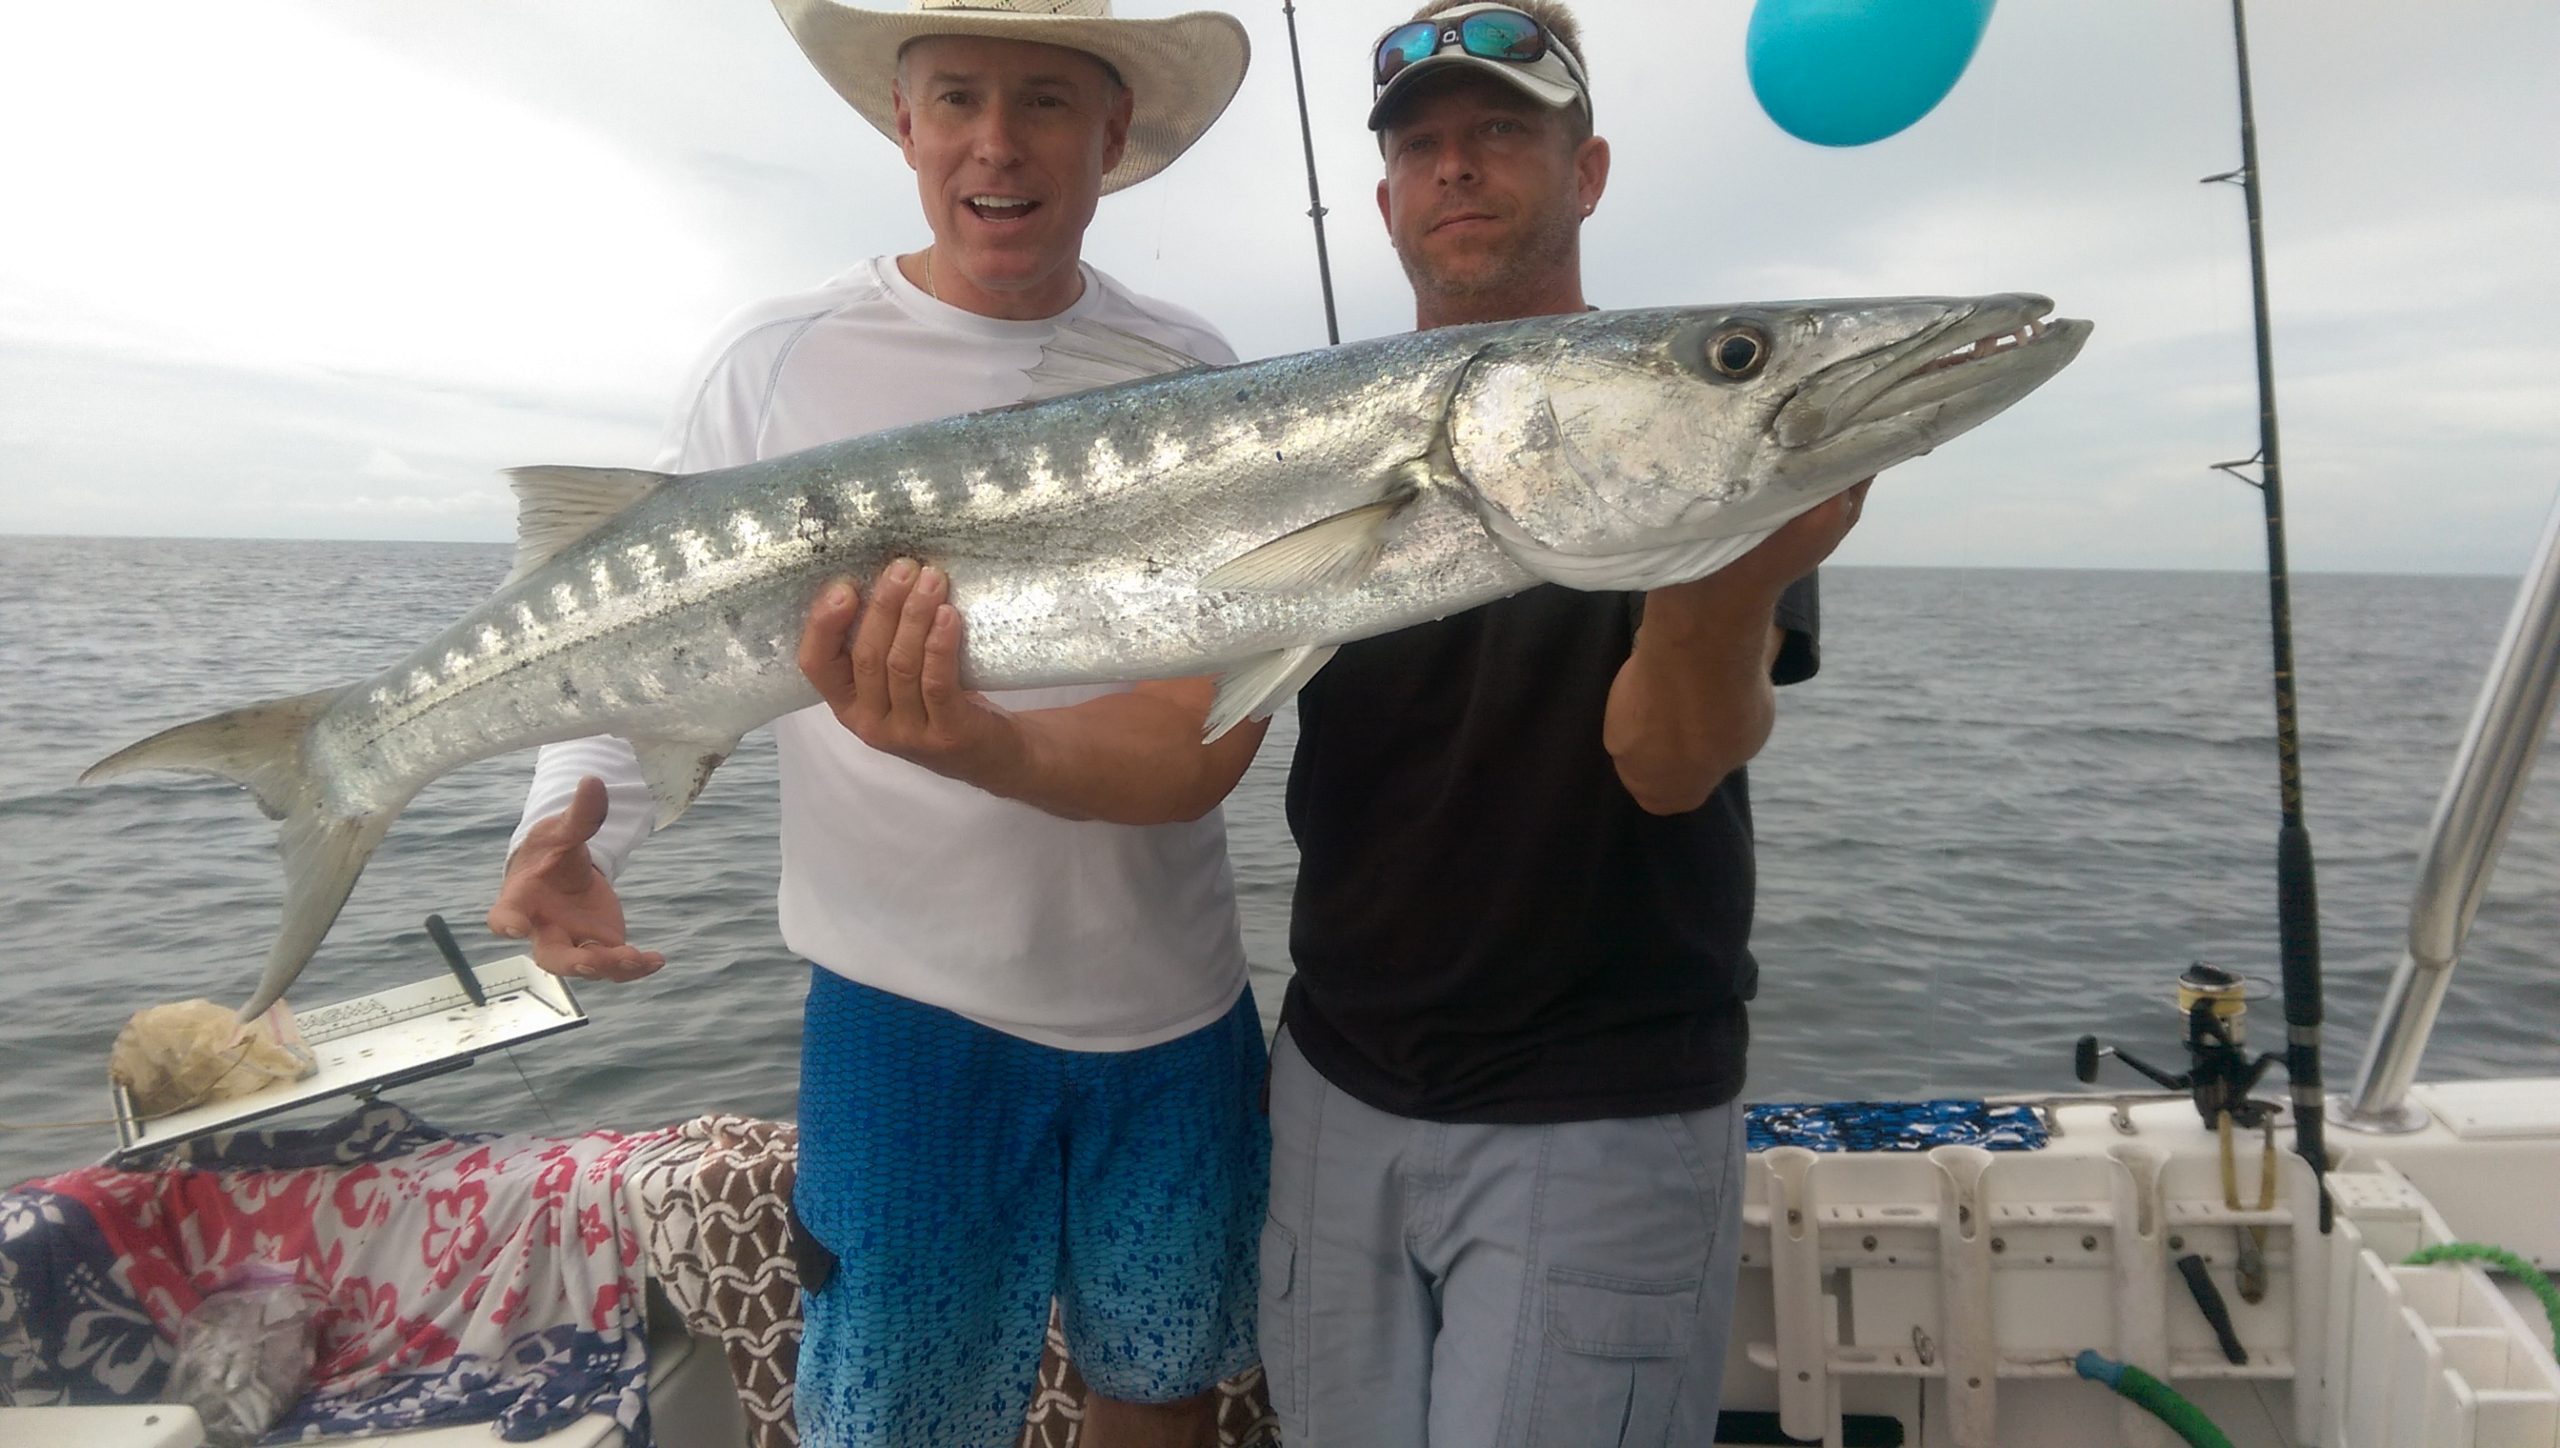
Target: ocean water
<point>2012,807</point>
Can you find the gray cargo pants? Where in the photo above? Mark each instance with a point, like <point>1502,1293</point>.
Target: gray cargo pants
<point>1427,1285</point>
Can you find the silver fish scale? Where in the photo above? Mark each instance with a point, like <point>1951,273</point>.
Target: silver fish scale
<point>1074,533</point>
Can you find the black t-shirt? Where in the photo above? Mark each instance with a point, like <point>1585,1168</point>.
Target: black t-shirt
<point>1487,926</point>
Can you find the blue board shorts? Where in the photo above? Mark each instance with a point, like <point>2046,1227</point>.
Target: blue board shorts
<point>963,1177</point>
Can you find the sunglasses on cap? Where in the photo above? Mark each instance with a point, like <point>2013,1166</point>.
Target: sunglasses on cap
<point>1504,35</point>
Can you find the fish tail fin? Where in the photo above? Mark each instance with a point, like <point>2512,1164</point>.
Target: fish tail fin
<point>323,854</point>
<point>261,746</point>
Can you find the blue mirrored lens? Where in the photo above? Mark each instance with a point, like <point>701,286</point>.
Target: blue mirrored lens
<point>1403,46</point>
<point>1502,35</point>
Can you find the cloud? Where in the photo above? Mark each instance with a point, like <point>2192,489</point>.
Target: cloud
<point>282,248</point>
<point>384,463</point>
<point>214,449</point>
<point>477,505</point>
<point>248,185</point>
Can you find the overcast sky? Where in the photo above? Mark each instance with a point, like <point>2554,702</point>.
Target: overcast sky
<point>304,269</point>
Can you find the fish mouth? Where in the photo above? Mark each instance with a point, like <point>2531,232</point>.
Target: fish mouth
<point>2000,348</point>
<point>2024,334</point>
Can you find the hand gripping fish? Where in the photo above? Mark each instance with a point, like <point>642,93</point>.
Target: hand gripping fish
<point>1152,518</point>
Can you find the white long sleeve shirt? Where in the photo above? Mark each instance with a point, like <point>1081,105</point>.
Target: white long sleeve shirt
<point>1075,934</point>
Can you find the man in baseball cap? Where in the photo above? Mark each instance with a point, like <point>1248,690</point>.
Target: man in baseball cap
<point>1030,1063</point>
<point>1506,1176</point>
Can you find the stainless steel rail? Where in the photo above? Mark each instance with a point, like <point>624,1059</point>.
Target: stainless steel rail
<point>2471,820</point>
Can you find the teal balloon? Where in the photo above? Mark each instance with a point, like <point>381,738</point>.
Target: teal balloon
<point>1847,72</point>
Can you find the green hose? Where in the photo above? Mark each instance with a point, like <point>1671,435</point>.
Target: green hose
<point>2188,1422</point>
<point>2162,1401</point>
<point>2505,1261</point>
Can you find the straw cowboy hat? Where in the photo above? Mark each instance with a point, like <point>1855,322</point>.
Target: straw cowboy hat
<point>1181,71</point>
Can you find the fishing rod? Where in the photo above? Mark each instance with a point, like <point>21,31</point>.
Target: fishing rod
<point>1315,202</point>
<point>2297,894</point>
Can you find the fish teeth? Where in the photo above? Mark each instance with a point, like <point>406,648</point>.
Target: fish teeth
<point>2019,335</point>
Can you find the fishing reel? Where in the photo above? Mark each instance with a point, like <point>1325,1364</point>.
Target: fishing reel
<point>2220,1074</point>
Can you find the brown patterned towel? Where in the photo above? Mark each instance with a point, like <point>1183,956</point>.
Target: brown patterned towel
<point>720,1249</point>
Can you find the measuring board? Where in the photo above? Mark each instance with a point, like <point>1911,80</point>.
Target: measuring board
<point>406,1033</point>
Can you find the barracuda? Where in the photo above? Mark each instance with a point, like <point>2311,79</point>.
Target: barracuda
<point>1240,521</point>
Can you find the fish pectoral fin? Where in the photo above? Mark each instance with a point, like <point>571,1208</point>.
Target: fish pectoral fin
<point>1081,356</point>
<point>1339,549</point>
<point>557,506</point>
<point>677,769</point>
<point>1258,687</point>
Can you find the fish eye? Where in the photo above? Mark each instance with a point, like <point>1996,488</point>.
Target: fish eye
<point>1737,352</point>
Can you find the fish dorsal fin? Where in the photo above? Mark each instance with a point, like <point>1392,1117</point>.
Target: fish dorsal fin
<point>1081,356</point>
<point>1339,549</point>
<point>557,506</point>
<point>1256,688</point>
<point>676,770</point>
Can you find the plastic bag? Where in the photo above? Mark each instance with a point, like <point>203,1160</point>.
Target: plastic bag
<point>245,1354</point>
<point>177,1057</point>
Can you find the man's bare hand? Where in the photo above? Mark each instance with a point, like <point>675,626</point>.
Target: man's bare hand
<point>1693,701</point>
<point>555,895</point>
<point>891,674</point>
<point>1798,547</point>
<point>1809,538</point>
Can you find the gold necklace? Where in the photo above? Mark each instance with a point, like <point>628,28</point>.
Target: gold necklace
<point>928,275</point>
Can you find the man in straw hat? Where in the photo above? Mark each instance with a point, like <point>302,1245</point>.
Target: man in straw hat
<point>1030,1062</point>
<point>1506,1169</point>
